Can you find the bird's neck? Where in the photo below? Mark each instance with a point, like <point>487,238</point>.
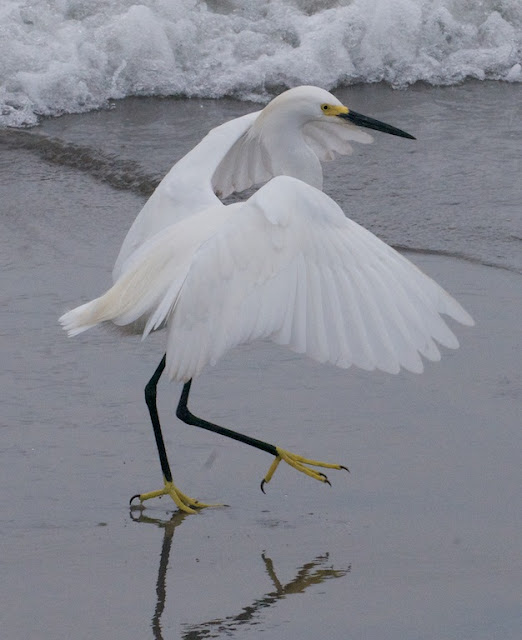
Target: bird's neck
<point>284,146</point>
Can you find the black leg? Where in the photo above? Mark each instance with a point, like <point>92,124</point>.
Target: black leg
<point>186,416</point>
<point>150,399</point>
<point>185,503</point>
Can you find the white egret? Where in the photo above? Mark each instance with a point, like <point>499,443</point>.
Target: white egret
<point>286,264</point>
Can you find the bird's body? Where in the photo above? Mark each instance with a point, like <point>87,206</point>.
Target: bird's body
<point>185,190</point>
<point>286,264</point>
<point>241,153</point>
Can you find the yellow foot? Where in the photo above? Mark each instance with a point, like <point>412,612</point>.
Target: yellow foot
<point>183,502</point>
<point>301,464</point>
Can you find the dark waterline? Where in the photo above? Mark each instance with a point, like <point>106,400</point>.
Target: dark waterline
<point>454,191</point>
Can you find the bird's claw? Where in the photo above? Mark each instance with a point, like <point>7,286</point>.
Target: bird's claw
<point>182,501</point>
<point>137,495</point>
<point>301,464</point>
<point>325,479</point>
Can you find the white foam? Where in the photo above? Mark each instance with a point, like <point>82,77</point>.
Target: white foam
<point>60,56</point>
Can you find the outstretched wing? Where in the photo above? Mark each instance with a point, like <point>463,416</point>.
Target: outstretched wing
<point>289,266</point>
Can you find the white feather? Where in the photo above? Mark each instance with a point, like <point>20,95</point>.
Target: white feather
<point>289,266</point>
<point>286,264</point>
<point>185,190</point>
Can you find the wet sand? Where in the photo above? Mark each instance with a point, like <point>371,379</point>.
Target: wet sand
<point>420,541</point>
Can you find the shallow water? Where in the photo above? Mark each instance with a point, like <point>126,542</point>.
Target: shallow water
<point>420,541</point>
<point>455,190</point>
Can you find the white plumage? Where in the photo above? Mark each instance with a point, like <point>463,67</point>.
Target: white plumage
<point>286,264</point>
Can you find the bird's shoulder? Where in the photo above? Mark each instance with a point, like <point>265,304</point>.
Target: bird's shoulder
<point>286,197</point>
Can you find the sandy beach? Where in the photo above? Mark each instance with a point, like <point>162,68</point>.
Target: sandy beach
<point>421,541</point>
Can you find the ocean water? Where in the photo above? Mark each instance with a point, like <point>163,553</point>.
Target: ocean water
<point>71,56</point>
<point>421,540</point>
<point>454,191</point>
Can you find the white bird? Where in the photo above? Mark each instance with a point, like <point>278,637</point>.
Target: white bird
<point>286,264</point>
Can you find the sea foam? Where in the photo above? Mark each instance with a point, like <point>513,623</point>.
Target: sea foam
<point>62,56</point>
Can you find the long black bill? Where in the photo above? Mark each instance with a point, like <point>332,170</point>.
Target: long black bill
<point>363,121</point>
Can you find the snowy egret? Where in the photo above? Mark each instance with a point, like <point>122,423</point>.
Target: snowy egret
<point>286,264</point>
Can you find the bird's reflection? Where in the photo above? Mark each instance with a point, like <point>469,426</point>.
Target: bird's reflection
<point>314,572</point>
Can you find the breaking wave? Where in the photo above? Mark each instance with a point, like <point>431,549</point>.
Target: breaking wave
<point>69,56</point>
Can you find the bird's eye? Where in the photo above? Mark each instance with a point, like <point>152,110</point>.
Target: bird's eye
<point>324,107</point>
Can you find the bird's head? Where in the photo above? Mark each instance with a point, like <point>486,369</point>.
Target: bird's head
<point>292,136</point>
<point>357,119</point>
<point>313,104</point>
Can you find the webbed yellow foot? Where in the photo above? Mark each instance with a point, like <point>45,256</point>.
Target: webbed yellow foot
<point>183,502</point>
<point>301,464</point>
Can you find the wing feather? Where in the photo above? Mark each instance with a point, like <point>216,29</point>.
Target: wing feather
<point>187,188</point>
<point>327,140</point>
<point>289,266</point>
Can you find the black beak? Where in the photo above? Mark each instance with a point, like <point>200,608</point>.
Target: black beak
<point>369,123</point>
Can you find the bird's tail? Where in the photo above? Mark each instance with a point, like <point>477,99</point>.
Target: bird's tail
<point>124,303</point>
<point>86,316</point>
<point>132,298</point>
